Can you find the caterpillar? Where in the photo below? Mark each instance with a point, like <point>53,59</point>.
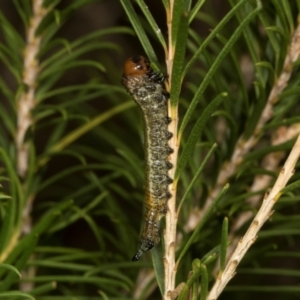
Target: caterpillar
<point>146,86</point>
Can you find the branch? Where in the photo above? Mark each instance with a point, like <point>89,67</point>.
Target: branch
<point>27,101</point>
<point>171,216</point>
<point>262,216</point>
<point>261,183</point>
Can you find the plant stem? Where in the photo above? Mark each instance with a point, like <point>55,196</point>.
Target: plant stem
<point>26,102</point>
<point>262,216</point>
<point>261,183</point>
<point>171,217</point>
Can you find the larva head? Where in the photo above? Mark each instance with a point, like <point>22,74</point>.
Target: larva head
<point>136,66</point>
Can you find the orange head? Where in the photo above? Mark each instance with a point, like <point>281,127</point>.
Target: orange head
<point>136,66</point>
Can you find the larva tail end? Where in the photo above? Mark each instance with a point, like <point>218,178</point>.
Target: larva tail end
<point>137,255</point>
<point>146,244</point>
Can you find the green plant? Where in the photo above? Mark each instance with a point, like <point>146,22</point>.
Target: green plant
<point>72,182</point>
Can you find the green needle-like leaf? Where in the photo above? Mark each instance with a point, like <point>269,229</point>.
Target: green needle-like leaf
<point>158,265</point>
<point>216,65</point>
<point>290,187</point>
<point>13,294</point>
<point>196,177</point>
<point>180,36</point>
<point>203,220</point>
<point>196,133</point>
<point>224,244</point>
<point>215,31</point>
<point>133,17</point>
<point>204,282</point>
<point>70,138</point>
<point>195,275</point>
<point>10,268</point>
<point>195,9</point>
<point>152,22</point>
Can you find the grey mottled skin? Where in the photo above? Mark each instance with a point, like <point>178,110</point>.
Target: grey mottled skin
<point>147,89</point>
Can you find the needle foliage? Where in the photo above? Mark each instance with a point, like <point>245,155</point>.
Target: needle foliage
<point>70,223</point>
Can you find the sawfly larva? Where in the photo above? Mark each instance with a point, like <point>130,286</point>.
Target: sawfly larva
<point>146,86</point>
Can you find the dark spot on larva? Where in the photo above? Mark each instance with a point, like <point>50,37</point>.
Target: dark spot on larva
<point>150,87</point>
<point>169,180</point>
<point>169,165</point>
<point>157,77</point>
<point>169,135</point>
<point>168,195</point>
<point>166,94</point>
<point>168,120</point>
<point>170,150</point>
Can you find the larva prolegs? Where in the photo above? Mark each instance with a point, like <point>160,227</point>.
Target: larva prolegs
<point>147,89</point>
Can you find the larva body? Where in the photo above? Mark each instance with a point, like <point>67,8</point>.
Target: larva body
<point>147,89</point>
